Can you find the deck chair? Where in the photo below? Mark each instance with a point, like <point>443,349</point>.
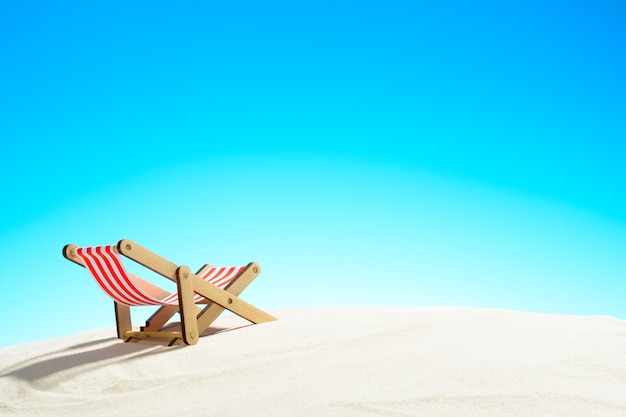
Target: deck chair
<point>217,288</point>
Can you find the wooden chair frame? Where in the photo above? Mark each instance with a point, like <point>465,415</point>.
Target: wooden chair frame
<point>194,320</point>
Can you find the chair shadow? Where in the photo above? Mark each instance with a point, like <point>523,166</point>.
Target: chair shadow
<point>43,366</point>
<point>91,356</point>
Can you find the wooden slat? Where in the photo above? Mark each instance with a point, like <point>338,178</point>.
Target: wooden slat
<point>153,335</point>
<point>187,305</point>
<point>122,319</point>
<point>210,313</point>
<point>230,301</point>
<point>168,269</point>
<point>147,258</point>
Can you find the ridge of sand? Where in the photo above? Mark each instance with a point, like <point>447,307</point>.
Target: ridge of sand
<point>335,361</point>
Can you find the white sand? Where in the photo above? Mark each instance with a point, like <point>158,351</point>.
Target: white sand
<point>353,361</point>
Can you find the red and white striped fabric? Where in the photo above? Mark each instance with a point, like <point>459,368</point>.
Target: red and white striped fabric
<point>107,268</point>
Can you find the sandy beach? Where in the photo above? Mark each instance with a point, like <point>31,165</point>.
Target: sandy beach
<point>339,361</point>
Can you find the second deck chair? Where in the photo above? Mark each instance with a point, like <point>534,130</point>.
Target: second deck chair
<point>217,288</point>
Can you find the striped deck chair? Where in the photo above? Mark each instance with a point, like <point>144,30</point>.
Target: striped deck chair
<point>215,288</point>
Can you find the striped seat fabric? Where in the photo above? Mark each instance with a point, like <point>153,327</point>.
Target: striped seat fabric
<point>107,268</point>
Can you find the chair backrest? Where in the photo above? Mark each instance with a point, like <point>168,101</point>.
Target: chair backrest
<point>222,276</point>
<point>107,268</point>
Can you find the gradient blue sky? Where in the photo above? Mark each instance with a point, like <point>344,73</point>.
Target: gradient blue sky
<point>389,153</point>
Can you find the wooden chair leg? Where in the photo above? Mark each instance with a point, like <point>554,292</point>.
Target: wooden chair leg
<point>187,306</point>
<point>122,318</point>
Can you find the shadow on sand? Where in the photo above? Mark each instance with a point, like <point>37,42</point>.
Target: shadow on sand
<point>93,354</point>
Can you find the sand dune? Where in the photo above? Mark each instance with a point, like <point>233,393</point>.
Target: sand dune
<point>351,361</point>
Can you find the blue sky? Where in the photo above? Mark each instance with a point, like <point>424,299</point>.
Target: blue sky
<point>394,153</point>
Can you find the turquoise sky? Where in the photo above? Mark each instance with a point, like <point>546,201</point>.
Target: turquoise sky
<point>389,153</point>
